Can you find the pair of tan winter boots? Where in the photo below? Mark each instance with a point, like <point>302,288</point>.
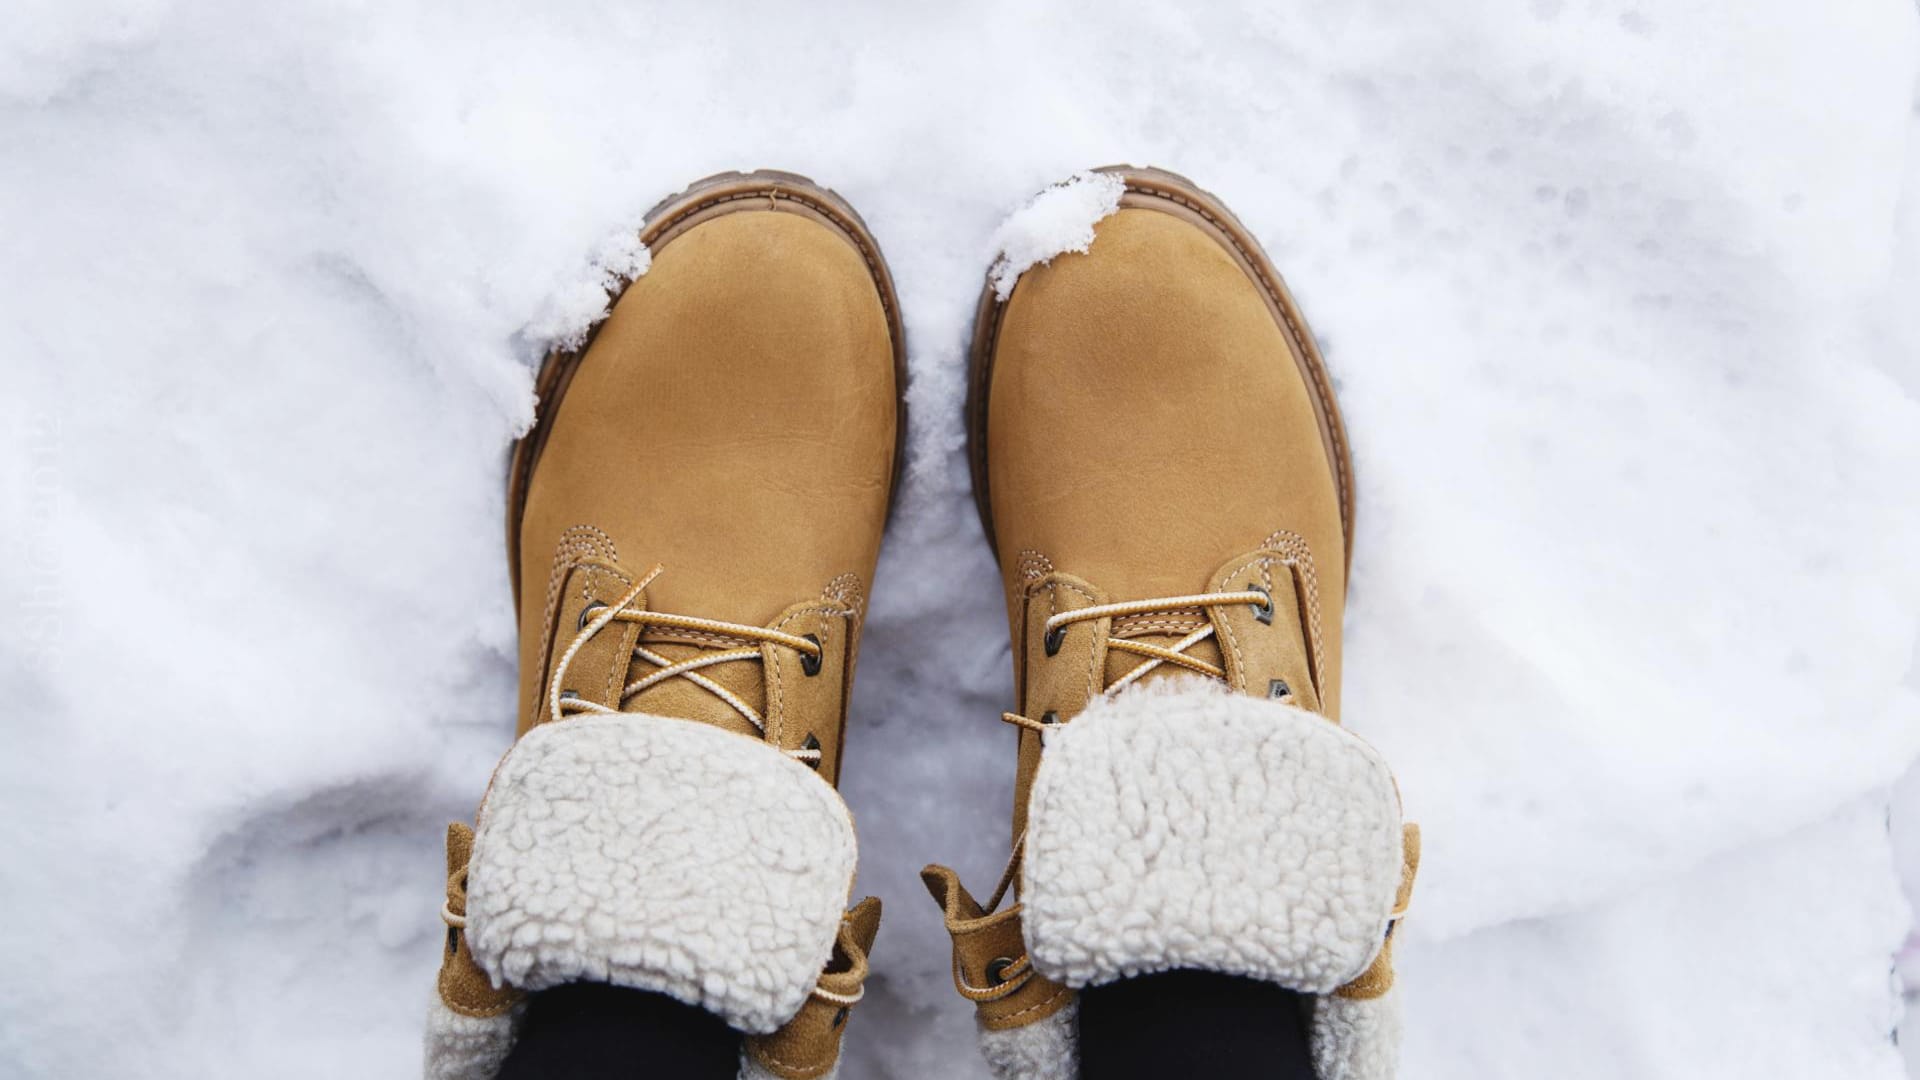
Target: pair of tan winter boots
<point>693,522</point>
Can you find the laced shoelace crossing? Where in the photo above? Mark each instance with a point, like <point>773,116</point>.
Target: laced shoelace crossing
<point>1153,656</point>
<point>563,703</point>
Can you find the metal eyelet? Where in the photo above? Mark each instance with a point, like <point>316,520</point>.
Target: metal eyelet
<point>453,940</point>
<point>1262,612</point>
<point>997,970</point>
<point>812,744</point>
<point>1278,688</point>
<point>586,614</point>
<point>810,665</point>
<point>569,695</point>
<point>840,1017</point>
<point>1049,717</point>
<point>1056,637</point>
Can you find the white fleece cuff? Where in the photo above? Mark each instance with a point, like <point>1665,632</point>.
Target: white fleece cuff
<point>662,855</point>
<point>1189,827</point>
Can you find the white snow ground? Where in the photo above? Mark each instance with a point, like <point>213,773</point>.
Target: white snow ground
<point>1621,300</point>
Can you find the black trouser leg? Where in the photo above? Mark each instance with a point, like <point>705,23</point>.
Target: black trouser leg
<point>586,1031</point>
<point>1219,1026</point>
<point>1193,1023</point>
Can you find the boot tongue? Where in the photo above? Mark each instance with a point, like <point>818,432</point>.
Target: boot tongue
<point>1164,629</point>
<point>683,699</point>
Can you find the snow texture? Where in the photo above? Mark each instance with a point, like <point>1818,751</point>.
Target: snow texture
<point>577,306</point>
<point>1619,298</point>
<point>1054,222</point>
<point>1189,827</point>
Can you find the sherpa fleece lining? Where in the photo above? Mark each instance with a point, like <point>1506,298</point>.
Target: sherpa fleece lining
<point>1356,1038</point>
<point>468,1047</point>
<point>661,855</point>
<point>1047,1049</point>
<point>1189,827</point>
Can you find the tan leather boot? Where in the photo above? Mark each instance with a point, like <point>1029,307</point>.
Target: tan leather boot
<point>1161,467</point>
<point>692,524</point>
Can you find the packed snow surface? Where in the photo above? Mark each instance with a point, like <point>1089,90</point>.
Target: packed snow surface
<point>1620,300</point>
<point>1056,221</point>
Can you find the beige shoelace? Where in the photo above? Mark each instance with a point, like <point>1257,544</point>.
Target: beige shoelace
<point>1152,655</point>
<point>560,703</point>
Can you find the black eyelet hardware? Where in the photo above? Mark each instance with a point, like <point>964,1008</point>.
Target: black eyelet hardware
<point>569,695</point>
<point>453,941</point>
<point>840,1017</point>
<point>997,970</point>
<point>1262,612</point>
<point>1049,717</point>
<point>586,614</point>
<point>810,665</point>
<point>812,744</point>
<point>1056,637</point>
<point>1278,688</point>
